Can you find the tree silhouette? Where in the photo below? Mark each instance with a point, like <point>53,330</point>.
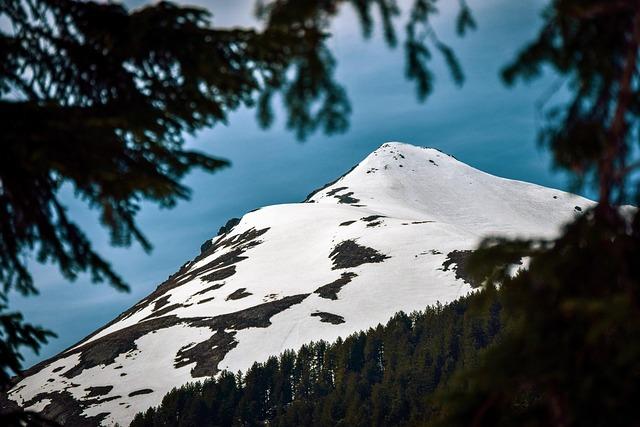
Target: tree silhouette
<point>571,355</point>
<point>99,98</point>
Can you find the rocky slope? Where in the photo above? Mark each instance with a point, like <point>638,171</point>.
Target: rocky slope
<point>390,235</point>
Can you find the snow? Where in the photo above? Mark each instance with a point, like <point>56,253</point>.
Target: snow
<point>431,205</point>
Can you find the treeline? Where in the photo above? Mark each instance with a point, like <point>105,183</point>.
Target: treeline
<point>384,376</point>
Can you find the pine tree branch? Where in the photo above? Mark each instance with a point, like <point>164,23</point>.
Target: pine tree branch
<point>616,148</point>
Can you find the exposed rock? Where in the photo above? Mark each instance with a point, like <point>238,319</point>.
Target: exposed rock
<point>141,391</point>
<point>161,302</point>
<point>349,254</point>
<point>228,226</point>
<point>372,218</point>
<point>223,273</point>
<point>325,317</point>
<point>457,262</point>
<point>208,354</point>
<point>238,294</point>
<point>209,289</point>
<point>336,190</point>
<point>98,391</point>
<point>330,291</point>
<point>346,198</point>
<point>163,311</point>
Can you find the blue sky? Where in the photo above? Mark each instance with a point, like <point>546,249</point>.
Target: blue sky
<point>483,124</point>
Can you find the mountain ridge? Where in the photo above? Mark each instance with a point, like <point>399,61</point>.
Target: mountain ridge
<point>388,235</point>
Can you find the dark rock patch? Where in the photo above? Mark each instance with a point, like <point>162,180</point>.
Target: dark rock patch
<point>209,289</point>
<point>270,297</point>
<point>228,226</point>
<point>330,291</point>
<point>372,218</point>
<point>457,262</point>
<point>346,198</point>
<point>325,317</point>
<point>161,302</point>
<point>432,162</point>
<point>238,294</point>
<point>206,300</point>
<point>209,353</point>
<point>98,401</point>
<point>98,391</point>
<point>344,224</point>
<point>206,245</point>
<point>163,311</point>
<point>223,273</point>
<point>374,224</point>
<point>578,208</point>
<point>64,409</point>
<point>139,392</point>
<point>421,222</point>
<point>349,254</point>
<point>336,190</point>
<point>58,369</point>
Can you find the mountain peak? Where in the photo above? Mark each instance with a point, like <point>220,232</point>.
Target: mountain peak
<point>392,234</point>
<point>418,183</point>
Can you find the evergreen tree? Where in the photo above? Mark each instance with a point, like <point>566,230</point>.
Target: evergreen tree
<point>384,376</point>
<point>571,356</point>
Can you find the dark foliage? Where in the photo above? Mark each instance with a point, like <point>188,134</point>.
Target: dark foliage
<point>571,356</point>
<point>385,376</point>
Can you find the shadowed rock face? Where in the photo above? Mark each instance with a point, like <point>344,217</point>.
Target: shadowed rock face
<point>140,392</point>
<point>239,294</point>
<point>457,262</point>
<point>330,291</point>
<point>347,198</point>
<point>325,317</point>
<point>349,254</point>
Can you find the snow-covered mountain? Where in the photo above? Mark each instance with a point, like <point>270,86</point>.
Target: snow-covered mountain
<point>390,235</point>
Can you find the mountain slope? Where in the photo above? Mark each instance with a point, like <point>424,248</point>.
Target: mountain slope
<point>390,235</point>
